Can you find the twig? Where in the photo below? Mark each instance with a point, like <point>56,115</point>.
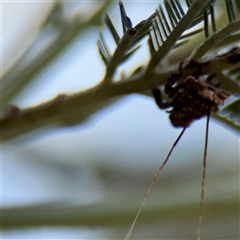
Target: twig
<point>106,213</point>
<point>130,37</point>
<point>215,39</point>
<point>120,52</point>
<point>67,110</point>
<point>176,33</point>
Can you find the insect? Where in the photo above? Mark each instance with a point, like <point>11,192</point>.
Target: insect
<point>191,94</point>
<point>189,99</point>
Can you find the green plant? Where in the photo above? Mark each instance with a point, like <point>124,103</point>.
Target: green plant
<point>82,105</point>
<point>166,38</point>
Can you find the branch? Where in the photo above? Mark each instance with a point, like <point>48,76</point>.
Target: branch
<point>176,33</point>
<point>130,37</point>
<point>68,110</point>
<point>106,213</point>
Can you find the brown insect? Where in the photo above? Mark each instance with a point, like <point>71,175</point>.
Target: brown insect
<point>189,100</point>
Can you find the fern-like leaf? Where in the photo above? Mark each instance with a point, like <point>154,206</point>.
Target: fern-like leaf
<point>126,45</point>
<point>231,111</point>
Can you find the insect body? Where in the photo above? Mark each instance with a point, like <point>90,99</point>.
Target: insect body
<point>190,100</point>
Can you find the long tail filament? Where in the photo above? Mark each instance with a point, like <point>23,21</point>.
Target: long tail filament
<point>203,179</point>
<point>154,181</point>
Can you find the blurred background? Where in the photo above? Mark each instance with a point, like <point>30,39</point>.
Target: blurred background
<point>88,181</point>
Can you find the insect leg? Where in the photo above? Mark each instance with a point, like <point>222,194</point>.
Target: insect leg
<point>158,99</point>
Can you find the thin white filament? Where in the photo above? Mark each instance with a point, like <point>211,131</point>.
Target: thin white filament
<point>154,181</point>
<point>199,227</point>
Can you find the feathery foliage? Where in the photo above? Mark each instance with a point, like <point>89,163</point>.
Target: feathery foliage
<point>175,27</point>
<point>171,27</point>
<point>162,24</point>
